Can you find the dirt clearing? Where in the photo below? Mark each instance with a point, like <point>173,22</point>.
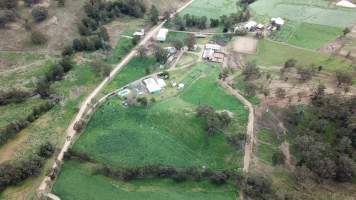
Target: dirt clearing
<point>247,45</point>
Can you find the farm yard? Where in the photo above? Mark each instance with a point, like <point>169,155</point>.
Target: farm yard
<point>167,133</point>
<point>321,12</point>
<point>211,9</point>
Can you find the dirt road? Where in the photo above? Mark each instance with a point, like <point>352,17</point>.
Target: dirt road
<point>250,139</point>
<point>86,104</point>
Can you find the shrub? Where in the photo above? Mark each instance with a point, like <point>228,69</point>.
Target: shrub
<point>46,150</point>
<point>38,38</point>
<point>39,13</point>
<point>278,158</point>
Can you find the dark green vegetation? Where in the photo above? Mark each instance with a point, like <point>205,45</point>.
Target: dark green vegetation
<point>89,186</point>
<point>324,137</point>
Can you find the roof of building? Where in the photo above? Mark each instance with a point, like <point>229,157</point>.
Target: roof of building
<point>161,83</point>
<point>162,34</point>
<point>250,24</point>
<point>345,3</point>
<point>208,53</point>
<point>152,85</point>
<point>213,46</point>
<point>278,21</point>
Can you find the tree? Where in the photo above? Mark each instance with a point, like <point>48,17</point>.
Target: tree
<point>278,158</point>
<point>83,30</point>
<point>251,71</point>
<point>190,41</point>
<point>179,23</point>
<point>6,16</point>
<point>46,150</point>
<point>39,13</point>
<point>9,4</point>
<point>143,101</point>
<point>345,169</point>
<point>38,38</point>
<point>290,63</point>
<point>103,33</point>
<point>214,23</point>
<point>178,44</point>
<point>343,78</point>
<point>61,3</point>
<point>142,51</point>
<point>259,187</point>
<point>346,31</point>
<point>43,88</point>
<point>160,54</point>
<point>305,74</point>
<point>154,14</point>
<point>30,3</point>
<point>281,93</point>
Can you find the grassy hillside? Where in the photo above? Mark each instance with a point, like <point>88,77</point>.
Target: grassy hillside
<point>211,9</point>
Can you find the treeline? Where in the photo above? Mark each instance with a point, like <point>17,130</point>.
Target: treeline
<point>227,22</point>
<point>218,177</point>
<point>13,96</point>
<point>99,13</point>
<point>12,129</point>
<point>324,137</point>
<point>15,172</point>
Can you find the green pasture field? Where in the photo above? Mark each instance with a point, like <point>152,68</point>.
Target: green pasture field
<point>123,46</point>
<point>268,144</point>
<point>272,53</point>
<point>26,77</point>
<point>186,59</point>
<point>134,70</point>
<point>311,36</point>
<point>14,111</point>
<point>77,182</point>
<point>211,9</point>
<point>322,12</point>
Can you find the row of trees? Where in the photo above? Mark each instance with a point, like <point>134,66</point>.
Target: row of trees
<point>13,96</point>
<point>12,129</point>
<point>189,21</point>
<point>326,157</point>
<point>14,173</point>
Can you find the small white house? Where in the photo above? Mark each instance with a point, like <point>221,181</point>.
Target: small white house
<point>346,4</point>
<point>278,21</point>
<point>215,47</point>
<point>250,25</point>
<point>162,35</point>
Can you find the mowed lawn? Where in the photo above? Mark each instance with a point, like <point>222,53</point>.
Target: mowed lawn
<point>272,53</point>
<point>311,36</point>
<point>211,9</point>
<point>321,12</point>
<point>76,182</point>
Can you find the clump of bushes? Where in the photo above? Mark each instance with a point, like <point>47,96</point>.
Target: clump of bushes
<point>39,13</point>
<point>215,121</point>
<point>13,96</point>
<point>38,38</point>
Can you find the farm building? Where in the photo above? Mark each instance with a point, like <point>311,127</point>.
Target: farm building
<point>250,25</point>
<point>140,33</point>
<point>162,34</point>
<point>212,52</point>
<point>278,21</point>
<point>153,85</point>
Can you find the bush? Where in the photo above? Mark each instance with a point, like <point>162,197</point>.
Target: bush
<point>39,13</point>
<point>46,150</point>
<point>13,96</point>
<point>38,38</point>
<point>6,16</point>
<point>278,158</point>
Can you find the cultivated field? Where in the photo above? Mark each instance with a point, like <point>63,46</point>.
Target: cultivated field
<point>322,12</point>
<point>211,9</point>
<point>311,36</point>
<point>168,133</point>
<point>246,45</point>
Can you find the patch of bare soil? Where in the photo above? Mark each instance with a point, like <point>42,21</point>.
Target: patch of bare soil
<point>247,45</point>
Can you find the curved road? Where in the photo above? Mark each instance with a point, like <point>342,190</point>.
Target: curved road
<point>86,104</point>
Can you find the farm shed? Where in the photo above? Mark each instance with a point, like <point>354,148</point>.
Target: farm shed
<point>153,85</point>
<point>140,33</point>
<point>278,21</point>
<point>212,52</point>
<point>250,25</point>
<point>162,34</point>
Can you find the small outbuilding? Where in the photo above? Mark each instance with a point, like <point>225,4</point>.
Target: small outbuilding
<point>162,35</point>
<point>278,21</point>
<point>153,85</point>
<point>140,33</point>
<point>250,25</point>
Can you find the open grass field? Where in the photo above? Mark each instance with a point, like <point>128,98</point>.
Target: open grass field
<point>211,9</point>
<point>77,182</point>
<point>271,53</point>
<point>311,36</point>
<point>123,46</point>
<point>268,144</point>
<point>134,70</point>
<point>322,12</point>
